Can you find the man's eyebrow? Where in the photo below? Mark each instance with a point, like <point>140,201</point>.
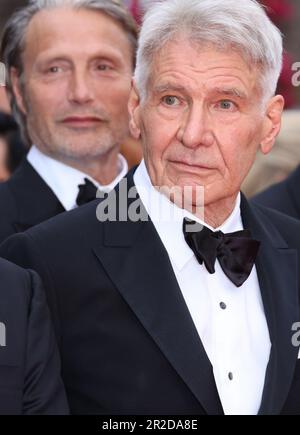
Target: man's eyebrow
<point>231,92</point>
<point>167,87</point>
<point>50,59</point>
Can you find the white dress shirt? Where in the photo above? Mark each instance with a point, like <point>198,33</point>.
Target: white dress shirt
<point>230,321</point>
<point>64,180</point>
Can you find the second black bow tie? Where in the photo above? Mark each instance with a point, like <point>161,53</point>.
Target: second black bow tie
<point>87,192</point>
<point>236,251</point>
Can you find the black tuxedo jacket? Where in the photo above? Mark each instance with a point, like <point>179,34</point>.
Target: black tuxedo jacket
<point>29,364</point>
<point>128,343</point>
<point>26,200</point>
<point>283,196</point>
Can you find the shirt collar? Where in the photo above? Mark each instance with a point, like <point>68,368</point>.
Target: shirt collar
<point>64,180</point>
<point>168,218</point>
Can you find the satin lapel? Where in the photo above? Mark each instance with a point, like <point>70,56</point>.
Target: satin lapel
<point>277,268</point>
<point>139,266</point>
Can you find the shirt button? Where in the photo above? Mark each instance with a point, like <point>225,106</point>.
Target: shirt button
<point>223,305</point>
<point>230,376</point>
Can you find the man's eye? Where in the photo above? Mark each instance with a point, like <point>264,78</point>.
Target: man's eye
<point>169,100</point>
<point>103,67</point>
<point>54,69</point>
<point>227,105</point>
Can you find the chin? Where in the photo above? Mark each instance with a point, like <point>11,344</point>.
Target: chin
<point>219,197</point>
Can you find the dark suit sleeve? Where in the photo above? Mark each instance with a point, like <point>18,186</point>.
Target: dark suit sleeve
<point>43,389</point>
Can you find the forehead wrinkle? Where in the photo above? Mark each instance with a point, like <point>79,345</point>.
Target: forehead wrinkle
<point>228,91</point>
<point>176,77</point>
<point>164,66</point>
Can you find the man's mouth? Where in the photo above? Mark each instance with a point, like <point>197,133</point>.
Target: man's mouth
<point>192,166</point>
<point>81,121</point>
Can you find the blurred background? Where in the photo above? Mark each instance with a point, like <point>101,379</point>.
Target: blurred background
<point>286,154</point>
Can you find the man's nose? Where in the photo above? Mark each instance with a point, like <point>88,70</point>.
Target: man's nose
<point>196,129</point>
<point>80,88</point>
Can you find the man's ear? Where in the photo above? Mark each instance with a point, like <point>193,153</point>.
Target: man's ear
<point>16,86</point>
<point>272,123</point>
<point>134,112</point>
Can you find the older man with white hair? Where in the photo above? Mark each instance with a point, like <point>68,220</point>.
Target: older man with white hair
<point>183,299</point>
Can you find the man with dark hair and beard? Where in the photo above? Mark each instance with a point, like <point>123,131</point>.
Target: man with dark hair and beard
<point>69,68</point>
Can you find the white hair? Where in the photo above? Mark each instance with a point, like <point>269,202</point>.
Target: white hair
<point>242,25</point>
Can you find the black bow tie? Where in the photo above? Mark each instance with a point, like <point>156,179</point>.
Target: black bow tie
<point>87,192</point>
<point>236,252</point>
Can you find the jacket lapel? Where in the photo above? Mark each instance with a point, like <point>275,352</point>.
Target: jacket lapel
<point>277,268</point>
<point>35,200</point>
<point>138,264</point>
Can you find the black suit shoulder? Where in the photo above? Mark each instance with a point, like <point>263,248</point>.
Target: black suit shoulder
<point>68,228</point>
<point>26,200</point>
<point>283,196</point>
<point>278,198</point>
<point>287,226</point>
